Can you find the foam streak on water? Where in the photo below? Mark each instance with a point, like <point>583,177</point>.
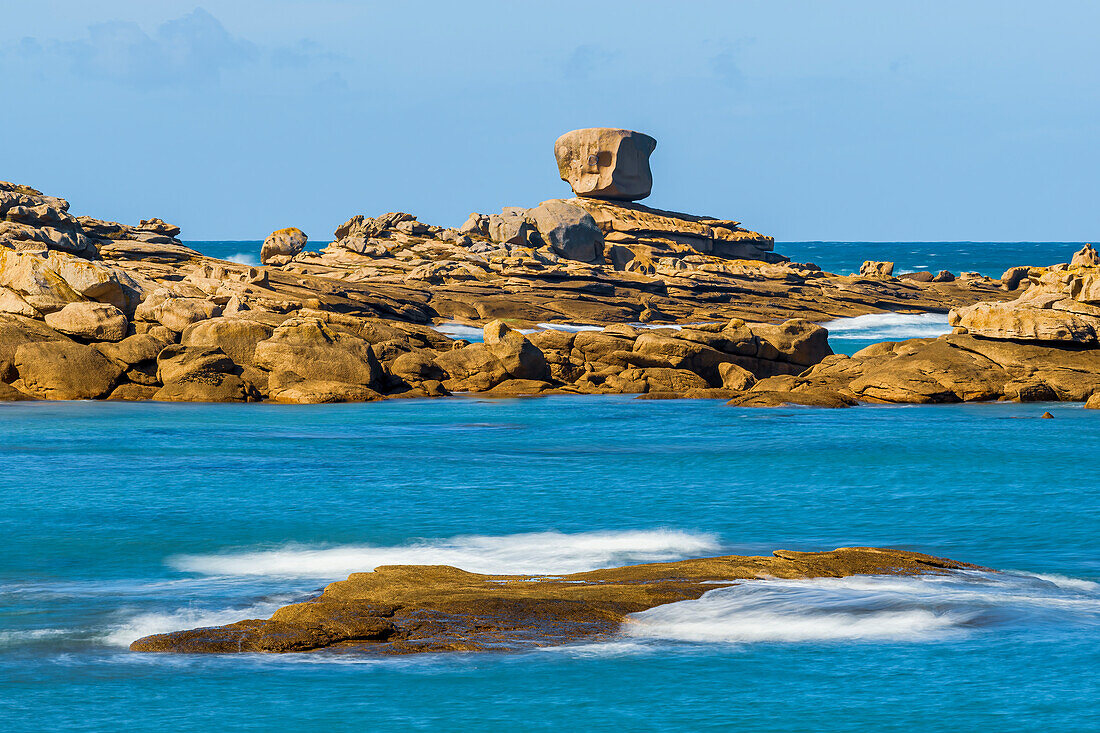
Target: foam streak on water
<point>870,608</point>
<point>889,326</point>
<point>536,552</point>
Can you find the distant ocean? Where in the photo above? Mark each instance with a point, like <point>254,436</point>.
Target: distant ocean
<point>125,519</point>
<point>843,258</point>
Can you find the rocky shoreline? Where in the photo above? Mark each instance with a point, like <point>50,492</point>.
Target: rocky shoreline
<point>405,609</point>
<point>91,309</point>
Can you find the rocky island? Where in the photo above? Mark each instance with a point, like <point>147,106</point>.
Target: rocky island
<point>689,305</point>
<point>403,609</point>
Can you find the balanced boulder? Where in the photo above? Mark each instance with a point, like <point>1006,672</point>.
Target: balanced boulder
<point>606,163</point>
<point>284,243</point>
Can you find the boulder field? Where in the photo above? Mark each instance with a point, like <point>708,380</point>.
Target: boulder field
<point>404,609</point>
<point>690,306</point>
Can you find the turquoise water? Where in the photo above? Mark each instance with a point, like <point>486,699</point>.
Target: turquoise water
<point>988,258</point>
<point>127,519</point>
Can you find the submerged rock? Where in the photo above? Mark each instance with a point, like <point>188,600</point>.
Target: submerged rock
<point>401,609</point>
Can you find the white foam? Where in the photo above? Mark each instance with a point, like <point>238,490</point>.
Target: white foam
<point>535,553</point>
<point>146,624</point>
<point>889,326</point>
<point>244,258</point>
<point>865,608</point>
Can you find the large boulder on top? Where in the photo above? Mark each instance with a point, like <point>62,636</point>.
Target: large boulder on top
<point>568,230</point>
<point>606,163</point>
<point>89,320</point>
<point>283,243</point>
<point>65,370</point>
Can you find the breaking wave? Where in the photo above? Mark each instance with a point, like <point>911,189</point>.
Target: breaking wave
<point>889,326</point>
<point>537,552</point>
<point>869,608</point>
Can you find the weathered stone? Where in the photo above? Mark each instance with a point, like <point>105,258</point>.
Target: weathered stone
<point>11,302</point>
<point>871,268</point>
<point>283,243</point>
<point>64,370</point>
<point>1085,257</point>
<point>569,230</point>
<point>1012,321</point>
<point>521,359</point>
<point>195,374</point>
<point>608,163</point>
<point>797,341</point>
<point>237,337</point>
<point>29,275</point>
<point>1013,276</point>
<point>89,320</point>
<point>735,377</point>
<point>312,350</point>
<point>805,398</point>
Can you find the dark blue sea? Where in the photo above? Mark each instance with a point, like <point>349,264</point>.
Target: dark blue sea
<point>125,519</point>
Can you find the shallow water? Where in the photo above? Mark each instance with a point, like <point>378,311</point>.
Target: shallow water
<point>128,519</point>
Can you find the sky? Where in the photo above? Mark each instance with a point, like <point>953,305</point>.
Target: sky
<point>840,120</point>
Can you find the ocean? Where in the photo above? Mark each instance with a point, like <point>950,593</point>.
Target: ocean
<point>125,519</point>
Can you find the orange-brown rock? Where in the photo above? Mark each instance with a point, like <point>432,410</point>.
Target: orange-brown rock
<point>400,609</point>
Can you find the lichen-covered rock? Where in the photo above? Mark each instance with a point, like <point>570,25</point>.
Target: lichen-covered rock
<point>283,243</point>
<point>521,358</point>
<point>237,337</point>
<point>311,350</point>
<point>31,277</point>
<point>604,162</point>
<point>196,374</point>
<point>64,370</point>
<point>871,268</point>
<point>89,320</point>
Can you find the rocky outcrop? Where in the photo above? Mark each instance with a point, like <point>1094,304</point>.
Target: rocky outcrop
<point>870,268</point>
<point>606,163</point>
<point>402,609</point>
<point>281,245</point>
<point>1062,304</point>
<point>952,368</point>
<point>352,322</point>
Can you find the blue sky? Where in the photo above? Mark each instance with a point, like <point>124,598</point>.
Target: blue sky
<point>804,120</point>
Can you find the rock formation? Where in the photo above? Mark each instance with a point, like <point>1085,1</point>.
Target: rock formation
<point>92,309</point>
<point>403,609</point>
<point>606,163</point>
<point>1061,305</point>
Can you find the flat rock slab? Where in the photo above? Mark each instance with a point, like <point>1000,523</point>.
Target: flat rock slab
<point>401,609</point>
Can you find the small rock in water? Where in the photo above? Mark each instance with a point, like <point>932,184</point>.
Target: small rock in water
<point>1047,416</point>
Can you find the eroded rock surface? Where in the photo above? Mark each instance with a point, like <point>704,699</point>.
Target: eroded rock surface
<point>401,609</point>
<point>606,163</point>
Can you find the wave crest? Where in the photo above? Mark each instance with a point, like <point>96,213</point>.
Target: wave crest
<point>536,552</point>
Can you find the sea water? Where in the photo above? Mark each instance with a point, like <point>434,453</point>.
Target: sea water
<point>843,258</point>
<point>126,519</point>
